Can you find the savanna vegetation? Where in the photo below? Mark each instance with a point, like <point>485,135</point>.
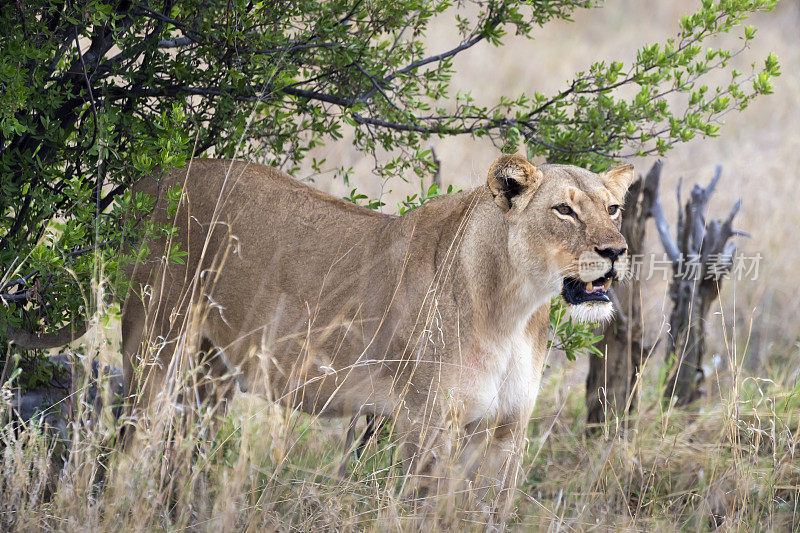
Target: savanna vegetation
<point>95,94</point>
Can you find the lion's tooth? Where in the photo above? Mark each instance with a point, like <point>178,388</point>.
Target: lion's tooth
<point>589,287</point>
<point>607,284</point>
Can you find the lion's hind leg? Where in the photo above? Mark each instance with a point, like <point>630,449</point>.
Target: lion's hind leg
<point>374,426</point>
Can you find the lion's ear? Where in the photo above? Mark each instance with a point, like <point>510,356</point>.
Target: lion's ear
<point>618,179</point>
<point>510,176</point>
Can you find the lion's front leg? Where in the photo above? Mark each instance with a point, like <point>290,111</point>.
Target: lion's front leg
<point>490,460</point>
<point>425,445</point>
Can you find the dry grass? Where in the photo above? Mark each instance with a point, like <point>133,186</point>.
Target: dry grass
<point>729,461</point>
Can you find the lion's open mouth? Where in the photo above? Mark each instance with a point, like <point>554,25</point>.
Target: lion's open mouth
<point>577,292</point>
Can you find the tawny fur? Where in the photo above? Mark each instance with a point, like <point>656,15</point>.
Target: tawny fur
<point>437,319</point>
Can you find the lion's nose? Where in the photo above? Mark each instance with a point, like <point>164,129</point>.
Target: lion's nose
<point>611,253</point>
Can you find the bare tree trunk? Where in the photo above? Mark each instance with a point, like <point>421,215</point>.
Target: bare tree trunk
<point>611,380</point>
<point>705,256</point>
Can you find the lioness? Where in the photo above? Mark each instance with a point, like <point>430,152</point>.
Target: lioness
<point>437,319</point>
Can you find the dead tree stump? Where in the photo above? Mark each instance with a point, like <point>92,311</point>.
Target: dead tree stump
<point>701,255</point>
<point>610,384</point>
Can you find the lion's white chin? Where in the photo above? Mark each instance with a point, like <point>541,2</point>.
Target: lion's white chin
<point>600,312</point>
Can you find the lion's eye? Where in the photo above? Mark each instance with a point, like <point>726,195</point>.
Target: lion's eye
<point>564,209</point>
<point>613,209</point>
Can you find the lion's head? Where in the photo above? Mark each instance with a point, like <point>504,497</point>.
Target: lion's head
<point>564,228</point>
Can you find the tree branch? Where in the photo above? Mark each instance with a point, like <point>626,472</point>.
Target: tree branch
<point>651,189</point>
